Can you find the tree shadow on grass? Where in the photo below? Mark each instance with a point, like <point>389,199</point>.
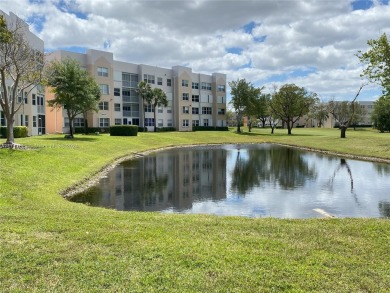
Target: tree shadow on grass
<point>76,138</point>
<point>274,134</point>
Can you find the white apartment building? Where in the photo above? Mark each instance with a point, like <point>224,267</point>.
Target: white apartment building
<point>193,99</point>
<point>32,111</point>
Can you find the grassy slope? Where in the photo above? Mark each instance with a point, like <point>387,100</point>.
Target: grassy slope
<point>48,243</point>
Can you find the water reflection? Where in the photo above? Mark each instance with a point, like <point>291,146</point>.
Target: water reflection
<point>249,180</point>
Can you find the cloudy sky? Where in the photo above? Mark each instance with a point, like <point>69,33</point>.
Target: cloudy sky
<point>311,43</point>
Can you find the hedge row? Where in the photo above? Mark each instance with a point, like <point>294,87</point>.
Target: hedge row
<point>124,130</point>
<point>19,131</point>
<point>210,128</point>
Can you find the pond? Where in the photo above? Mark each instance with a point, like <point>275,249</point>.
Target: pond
<point>256,180</point>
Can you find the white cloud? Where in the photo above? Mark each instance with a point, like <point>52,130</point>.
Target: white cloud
<point>321,37</point>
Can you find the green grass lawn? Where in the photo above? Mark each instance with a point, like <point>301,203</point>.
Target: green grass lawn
<point>50,244</point>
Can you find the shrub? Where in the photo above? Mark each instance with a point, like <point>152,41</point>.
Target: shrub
<point>210,128</point>
<point>78,130</point>
<point>19,131</point>
<point>166,129</point>
<point>142,129</point>
<point>124,130</point>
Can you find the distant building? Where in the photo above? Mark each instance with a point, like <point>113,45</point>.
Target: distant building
<point>194,99</point>
<point>32,112</point>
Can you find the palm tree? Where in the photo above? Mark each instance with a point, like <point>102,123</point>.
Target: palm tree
<point>158,98</point>
<point>144,90</point>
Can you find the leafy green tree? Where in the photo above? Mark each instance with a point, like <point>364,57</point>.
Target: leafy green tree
<point>21,68</point>
<point>156,98</point>
<point>319,112</point>
<point>290,103</point>
<point>74,89</point>
<point>243,98</point>
<point>263,113</point>
<point>381,114</point>
<point>377,61</point>
<point>144,91</point>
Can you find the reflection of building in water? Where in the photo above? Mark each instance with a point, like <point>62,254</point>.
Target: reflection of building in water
<point>172,179</point>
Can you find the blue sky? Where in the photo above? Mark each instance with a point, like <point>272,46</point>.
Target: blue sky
<point>269,43</point>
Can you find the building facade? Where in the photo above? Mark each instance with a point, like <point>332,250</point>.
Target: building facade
<point>32,102</point>
<point>193,99</point>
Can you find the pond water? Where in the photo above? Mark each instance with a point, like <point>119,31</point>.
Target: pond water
<point>257,180</point>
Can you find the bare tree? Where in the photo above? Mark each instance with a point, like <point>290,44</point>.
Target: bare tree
<point>21,69</point>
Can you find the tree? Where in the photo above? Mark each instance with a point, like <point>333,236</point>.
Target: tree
<point>21,69</point>
<point>377,61</point>
<point>156,98</point>
<point>263,114</point>
<point>319,112</point>
<point>290,103</point>
<point>344,112</point>
<point>243,95</point>
<point>381,114</point>
<point>74,89</point>
<point>144,91</point>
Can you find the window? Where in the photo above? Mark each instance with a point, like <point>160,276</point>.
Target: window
<point>102,71</point>
<point>34,121</point>
<point>26,120</point>
<point>117,107</point>
<point>149,109</point>
<point>160,110</point>
<point>186,122</point>
<point>78,122</point>
<point>195,98</point>
<point>169,109</point>
<point>184,82</point>
<point>169,123</point>
<point>33,99</point>
<point>25,98</point>
<point>195,110</point>
<point>206,86</point>
<point>117,92</point>
<point>205,122</point>
<point>195,85</point>
<point>66,122</point>
<point>221,111</point>
<point>149,78</point>
<point>195,122</point>
<point>186,96</point>
<point>159,80</point>
<point>104,89</point>
<point>169,82</point>
<point>206,110</point>
<point>104,122</point>
<point>221,88</point>
<point>160,123</point>
<point>186,110</point>
<point>149,121</point>
<point>118,121</point>
<point>129,79</point>
<point>103,106</point>
<point>220,100</point>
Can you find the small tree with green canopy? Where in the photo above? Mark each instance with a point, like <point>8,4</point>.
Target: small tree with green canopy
<point>381,114</point>
<point>263,113</point>
<point>243,96</point>
<point>21,68</point>
<point>144,91</point>
<point>74,89</point>
<point>156,98</point>
<point>290,103</point>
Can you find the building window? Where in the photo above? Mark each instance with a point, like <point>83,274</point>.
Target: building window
<point>160,123</point>
<point>117,92</point>
<point>206,86</point>
<point>129,79</point>
<point>104,89</point>
<point>159,80</point>
<point>102,71</point>
<point>169,109</point>
<point>205,122</point>
<point>186,122</point>
<point>169,82</point>
<point>103,106</point>
<point>186,110</point>
<point>195,110</point>
<point>118,121</point>
<point>149,121</point>
<point>117,107</point>
<point>169,123</point>
<point>34,121</point>
<point>195,85</point>
<point>66,122</point>
<point>104,122</point>
<point>195,122</point>
<point>78,122</point>
<point>33,99</point>
<point>221,88</point>
<point>186,96</point>
<point>25,98</point>
<point>26,120</point>
<point>221,111</point>
<point>149,109</point>
<point>195,98</point>
<point>184,82</point>
<point>160,110</point>
<point>149,78</point>
<point>206,110</point>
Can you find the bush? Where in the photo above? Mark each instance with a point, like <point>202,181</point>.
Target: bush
<point>142,129</point>
<point>19,131</point>
<point>124,130</point>
<point>79,130</point>
<point>166,129</point>
<point>210,128</point>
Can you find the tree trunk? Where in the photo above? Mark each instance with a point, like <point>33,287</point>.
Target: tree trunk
<point>289,129</point>
<point>85,123</point>
<point>343,130</point>
<point>238,123</point>
<point>155,122</point>
<point>10,131</point>
<point>272,129</point>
